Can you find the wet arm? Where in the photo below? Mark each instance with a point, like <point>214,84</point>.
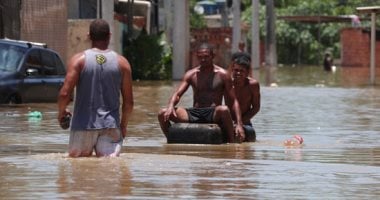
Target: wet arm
<point>239,131</point>
<point>236,109</point>
<point>255,103</point>
<point>181,89</point>
<point>232,101</point>
<point>126,92</point>
<point>72,76</point>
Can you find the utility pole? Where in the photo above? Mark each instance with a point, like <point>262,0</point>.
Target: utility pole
<point>181,35</point>
<point>270,41</point>
<point>255,47</point>
<point>168,11</point>
<point>106,12</point>
<point>236,28</point>
<point>372,10</point>
<point>224,15</point>
<point>1,22</point>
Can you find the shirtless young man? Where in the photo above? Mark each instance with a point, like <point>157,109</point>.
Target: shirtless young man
<point>210,83</point>
<point>247,92</point>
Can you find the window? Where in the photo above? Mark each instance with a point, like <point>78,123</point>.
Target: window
<point>10,57</point>
<point>49,63</point>
<point>33,63</point>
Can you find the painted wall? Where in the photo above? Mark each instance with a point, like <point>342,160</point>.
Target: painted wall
<point>77,38</point>
<point>221,41</point>
<point>355,47</point>
<point>45,21</point>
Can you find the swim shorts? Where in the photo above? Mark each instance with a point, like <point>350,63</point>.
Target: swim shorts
<point>200,115</point>
<point>250,134</point>
<point>106,142</point>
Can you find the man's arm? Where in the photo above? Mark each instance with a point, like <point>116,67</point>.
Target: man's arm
<point>254,88</point>
<point>231,99</point>
<point>175,98</point>
<point>126,93</point>
<point>239,131</point>
<point>74,69</point>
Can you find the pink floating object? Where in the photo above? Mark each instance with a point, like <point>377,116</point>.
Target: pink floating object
<point>299,138</point>
<point>294,141</point>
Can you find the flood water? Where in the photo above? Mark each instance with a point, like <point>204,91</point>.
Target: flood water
<point>336,113</point>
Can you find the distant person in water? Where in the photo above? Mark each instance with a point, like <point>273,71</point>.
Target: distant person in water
<point>247,91</point>
<point>210,83</point>
<point>241,46</point>
<point>327,62</point>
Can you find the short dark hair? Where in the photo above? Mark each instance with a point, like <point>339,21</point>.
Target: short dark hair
<point>240,54</point>
<point>99,30</point>
<point>206,46</point>
<point>242,58</point>
<point>243,61</point>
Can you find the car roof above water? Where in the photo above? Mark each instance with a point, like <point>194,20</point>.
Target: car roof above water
<point>21,43</point>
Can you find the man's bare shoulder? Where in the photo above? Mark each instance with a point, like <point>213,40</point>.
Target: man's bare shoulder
<point>191,72</point>
<point>77,61</point>
<point>253,83</point>
<point>121,58</point>
<point>78,56</point>
<point>220,70</point>
<point>123,62</point>
<point>193,69</point>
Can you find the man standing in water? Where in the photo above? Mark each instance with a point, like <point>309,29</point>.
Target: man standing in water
<point>209,83</point>
<point>99,75</point>
<point>247,92</point>
<point>327,62</point>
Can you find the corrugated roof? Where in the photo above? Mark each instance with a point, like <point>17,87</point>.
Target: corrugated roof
<point>369,9</point>
<point>317,19</point>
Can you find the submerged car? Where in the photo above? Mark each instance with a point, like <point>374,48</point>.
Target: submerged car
<point>29,72</point>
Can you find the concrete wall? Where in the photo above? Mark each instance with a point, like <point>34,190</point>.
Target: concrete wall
<point>77,38</point>
<point>355,48</point>
<point>221,40</point>
<point>10,19</point>
<point>45,21</point>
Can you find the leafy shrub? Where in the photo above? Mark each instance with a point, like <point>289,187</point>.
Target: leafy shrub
<point>149,56</point>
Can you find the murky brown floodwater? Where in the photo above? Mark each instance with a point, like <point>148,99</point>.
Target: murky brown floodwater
<point>336,113</point>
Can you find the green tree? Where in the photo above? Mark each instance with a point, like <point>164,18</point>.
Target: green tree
<point>307,41</point>
<point>149,57</point>
<point>196,20</point>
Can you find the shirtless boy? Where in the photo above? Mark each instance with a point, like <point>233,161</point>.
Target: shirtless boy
<point>247,91</point>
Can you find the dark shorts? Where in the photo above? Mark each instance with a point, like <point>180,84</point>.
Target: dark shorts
<point>250,134</point>
<point>201,115</point>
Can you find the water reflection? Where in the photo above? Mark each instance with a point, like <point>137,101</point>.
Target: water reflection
<point>336,113</point>
<point>93,178</point>
<point>315,76</point>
